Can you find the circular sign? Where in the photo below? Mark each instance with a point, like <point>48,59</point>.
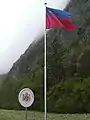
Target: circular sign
<point>26,97</point>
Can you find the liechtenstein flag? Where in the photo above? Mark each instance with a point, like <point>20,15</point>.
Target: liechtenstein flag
<point>55,18</point>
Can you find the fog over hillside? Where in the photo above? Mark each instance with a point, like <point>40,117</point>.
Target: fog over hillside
<point>20,24</point>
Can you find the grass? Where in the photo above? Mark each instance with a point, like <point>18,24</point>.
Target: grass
<point>68,117</point>
<point>20,115</point>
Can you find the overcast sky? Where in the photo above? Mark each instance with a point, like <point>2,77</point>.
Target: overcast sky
<point>21,22</point>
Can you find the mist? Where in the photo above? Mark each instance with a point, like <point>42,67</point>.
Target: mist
<point>21,22</point>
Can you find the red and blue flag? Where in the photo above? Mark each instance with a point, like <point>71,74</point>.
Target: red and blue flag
<point>55,18</point>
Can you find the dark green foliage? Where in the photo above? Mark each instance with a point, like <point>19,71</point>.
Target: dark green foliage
<point>70,97</point>
<point>11,88</point>
<point>84,62</point>
<point>55,57</point>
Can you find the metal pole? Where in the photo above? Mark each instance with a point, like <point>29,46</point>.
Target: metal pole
<point>26,113</point>
<point>45,103</point>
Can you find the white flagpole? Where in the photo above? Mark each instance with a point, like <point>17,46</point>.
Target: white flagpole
<point>45,86</point>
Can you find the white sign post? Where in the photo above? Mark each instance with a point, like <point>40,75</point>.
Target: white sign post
<point>26,98</point>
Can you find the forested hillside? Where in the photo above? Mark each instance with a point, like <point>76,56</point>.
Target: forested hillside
<point>68,68</point>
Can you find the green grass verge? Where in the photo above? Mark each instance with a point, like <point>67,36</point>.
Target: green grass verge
<point>20,115</point>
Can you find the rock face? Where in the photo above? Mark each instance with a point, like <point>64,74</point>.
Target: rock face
<point>80,10</point>
<point>32,57</point>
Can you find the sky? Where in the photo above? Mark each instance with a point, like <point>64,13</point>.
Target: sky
<point>21,22</point>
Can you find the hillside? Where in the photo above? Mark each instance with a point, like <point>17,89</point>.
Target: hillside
<point>33,56</point>
<point>68,68</point>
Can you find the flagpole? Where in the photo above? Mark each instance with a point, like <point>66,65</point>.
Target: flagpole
<point>45,86</point>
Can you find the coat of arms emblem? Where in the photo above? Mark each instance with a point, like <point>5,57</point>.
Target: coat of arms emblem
<point>26,97</point>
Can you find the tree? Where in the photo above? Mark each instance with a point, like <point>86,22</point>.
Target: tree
<point>55,68</point>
